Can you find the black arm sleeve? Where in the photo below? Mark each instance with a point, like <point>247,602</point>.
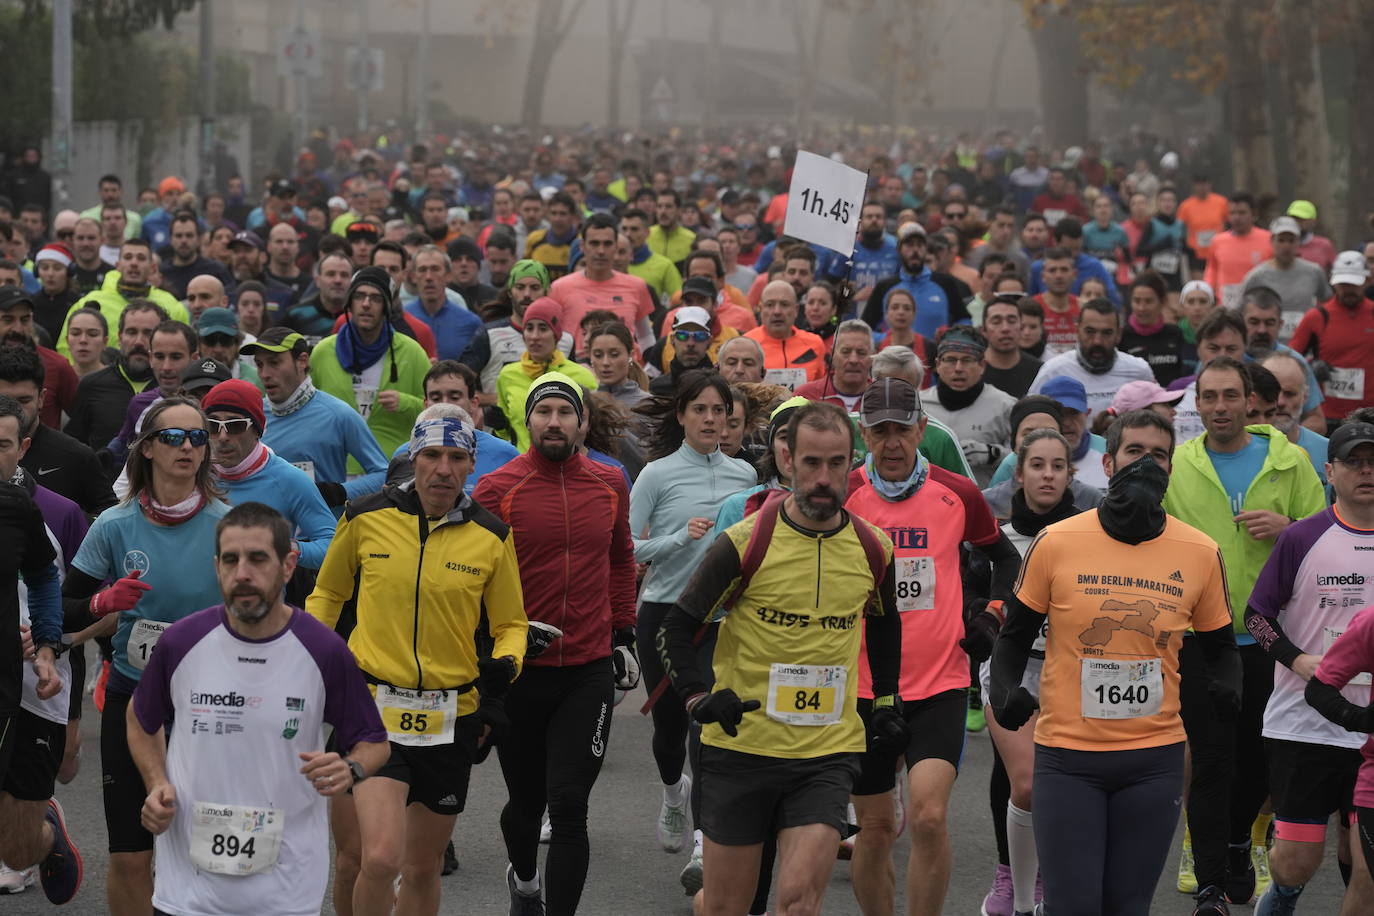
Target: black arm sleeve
<point>1271,637</point>
<point>884,636</point>
<point>1222,659</point>
<point>676,638</point>
<point>1012,650</point>
<point>676,649</point>
<point>1327,700</point>
<point>77,590</point>
<point>1006,564</point>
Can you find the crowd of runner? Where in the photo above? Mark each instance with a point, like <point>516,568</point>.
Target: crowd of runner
<point>331,483</point>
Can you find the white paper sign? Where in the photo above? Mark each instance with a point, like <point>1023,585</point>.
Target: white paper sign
<point>824,201</point>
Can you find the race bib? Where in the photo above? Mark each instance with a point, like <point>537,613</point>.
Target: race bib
<point>1053,216</point>
<point>235,840</point>
<point>307,466</point>
<point>915,584</point>
<point>1289,325</point>
<point>792,379</point>
<point>1165,262</point>
<point>1230,295</point>
<point>417,718</point>
<point>365,398</point>
<point>143,640</point>
<point>1347,384</point>
<point>1038,647</point>
<point>1329,637</point>
<point>806,694</point>
<point>1118,689</point>
<point>1205,236</point>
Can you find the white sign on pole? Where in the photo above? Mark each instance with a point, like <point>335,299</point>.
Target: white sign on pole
<point>364,69</point>
<point>298,54</point>
<point>824,201</point>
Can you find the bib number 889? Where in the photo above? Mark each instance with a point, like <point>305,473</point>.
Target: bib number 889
<point>228,845</point>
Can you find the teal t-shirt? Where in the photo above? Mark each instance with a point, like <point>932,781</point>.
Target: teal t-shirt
<point>1237,470</point>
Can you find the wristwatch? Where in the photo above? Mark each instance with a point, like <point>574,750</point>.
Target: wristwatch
<point>356,768</point>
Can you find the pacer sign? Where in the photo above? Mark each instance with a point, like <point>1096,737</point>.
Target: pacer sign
<point>824,201</point>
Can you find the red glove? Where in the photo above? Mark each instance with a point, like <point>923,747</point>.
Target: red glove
<point>122,596</point>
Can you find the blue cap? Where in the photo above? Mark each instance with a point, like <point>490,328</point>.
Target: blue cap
<point>1068,391</point>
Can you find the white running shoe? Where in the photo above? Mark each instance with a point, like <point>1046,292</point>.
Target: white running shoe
<point>672,819</point>
<point>546,831</point>
<point>691,876</point>
<point>14,882</point>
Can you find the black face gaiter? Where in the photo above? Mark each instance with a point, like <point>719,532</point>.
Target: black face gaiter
<point>1131,511</point>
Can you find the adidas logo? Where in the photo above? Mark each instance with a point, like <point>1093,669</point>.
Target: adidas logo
<point>449,800</point>
<point>1176,576</point>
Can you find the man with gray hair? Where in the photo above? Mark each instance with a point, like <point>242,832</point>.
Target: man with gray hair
<point>1291,372</point>
<point>940,445</point>
<point>851,367</point>
<point>740,359</point>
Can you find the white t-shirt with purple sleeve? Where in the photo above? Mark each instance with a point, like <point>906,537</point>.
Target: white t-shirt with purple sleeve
<point>240,713</point>
<point>1319,575</point>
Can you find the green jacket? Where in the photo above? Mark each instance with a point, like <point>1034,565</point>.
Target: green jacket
<point>1286,484</point>
<point>390,427</point>
<point>111,303</point>
<point>514,383</point>
<point>661,275</point>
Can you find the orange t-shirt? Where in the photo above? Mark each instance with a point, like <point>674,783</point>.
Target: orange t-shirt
<point>1230,259</point>
<point>1117,614</point>
<point>626,295</point>
<point>1204,219</point>
<point>732,310</point>
<point>802,352</point>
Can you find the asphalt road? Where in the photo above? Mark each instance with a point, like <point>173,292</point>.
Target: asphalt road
<point>630,875</point>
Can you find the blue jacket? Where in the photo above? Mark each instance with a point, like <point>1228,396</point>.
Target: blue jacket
<point>932,305</point>
<point>322,435</point>
<point>291,492</point>
<point>873,264</point>
<point>1088,267</point>
<point>453,327</point>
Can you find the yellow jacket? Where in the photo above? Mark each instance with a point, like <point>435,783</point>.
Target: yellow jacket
<point>421,588</point>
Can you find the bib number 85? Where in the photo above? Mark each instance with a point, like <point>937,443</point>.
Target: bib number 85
<point>222,844</point>
<point>414,722</point>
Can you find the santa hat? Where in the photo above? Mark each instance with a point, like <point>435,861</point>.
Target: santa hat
<point>54,252</point>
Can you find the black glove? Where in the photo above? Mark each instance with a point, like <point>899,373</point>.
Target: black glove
<point>540,636</point>
<point>494,675</point>
<point>888,734</point>
<point>332,492</point>
<point>980,633</point>
<point>725,708</point>
<point>492,712</point>
<point>1020,706</point>
<point>624,659</point>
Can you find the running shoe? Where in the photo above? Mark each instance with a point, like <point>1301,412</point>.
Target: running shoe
<point>1259,861</point>
<point>1211,902</point>
<point>522,904</point>
<point>976,720</point>
<point>1241,878</point>
<point>450,860</point>
<point>691,876</point>
<point>619,695</point>
<point>998,902</point>
<point>845,852</point>
<point>1187,878</point>
<point>672,819</point>
<point>1275,904</point>
<point>14,881</point>
<point>545,831</point>
<point>60,872</point>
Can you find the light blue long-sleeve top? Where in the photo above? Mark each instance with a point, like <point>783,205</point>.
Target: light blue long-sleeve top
<point>668,494</point>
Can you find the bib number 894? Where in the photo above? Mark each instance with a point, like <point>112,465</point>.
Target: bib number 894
<point>222,844</point>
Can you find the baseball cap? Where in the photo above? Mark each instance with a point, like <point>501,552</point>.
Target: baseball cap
<point>1349,268</point>
<point>1346,437</point>
<point>907,230</point>
<point>205,373</point>
<point>337,203</point>
<point>699,285</point>
<point>692,314</point>
<point>361,229</point>
<point>10,296</point>
<point>1302,209</point>
<point>276,340</point>
<point>891,400</point>
<point>1285,224</point>
<point>217,321</point>
<point>1140,394</point>
<point>246,237</point>
<point>1069,392</point>
<point>282,187</point>
<point>169,184</point>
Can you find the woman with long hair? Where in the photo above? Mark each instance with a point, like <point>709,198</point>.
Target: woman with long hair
<point>157,548</point>
<point>1044,467</point>
<point>610,349</point>
<point>672,511</point>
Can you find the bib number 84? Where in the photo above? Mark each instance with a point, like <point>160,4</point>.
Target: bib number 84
<point>807,700</point>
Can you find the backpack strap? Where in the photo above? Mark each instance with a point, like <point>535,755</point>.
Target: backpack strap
<point>873,550</point>
<point>759,539</point>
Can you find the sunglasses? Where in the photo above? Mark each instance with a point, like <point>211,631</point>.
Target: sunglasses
<point>232,427</point>
<point>177,437</point>
<point>698,336</point>
<point>956,214</point>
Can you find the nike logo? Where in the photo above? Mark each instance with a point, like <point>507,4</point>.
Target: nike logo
<point>42,471</point>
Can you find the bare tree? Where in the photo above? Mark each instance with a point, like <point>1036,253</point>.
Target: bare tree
<point>550,28</point>
<point>711,110</point>
<point>1302,85</point>
<point>1063,70</point>
<point>618,28</point>
<point>1252,141</point>
<point>1361,191</point>
<point>808,56</point>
